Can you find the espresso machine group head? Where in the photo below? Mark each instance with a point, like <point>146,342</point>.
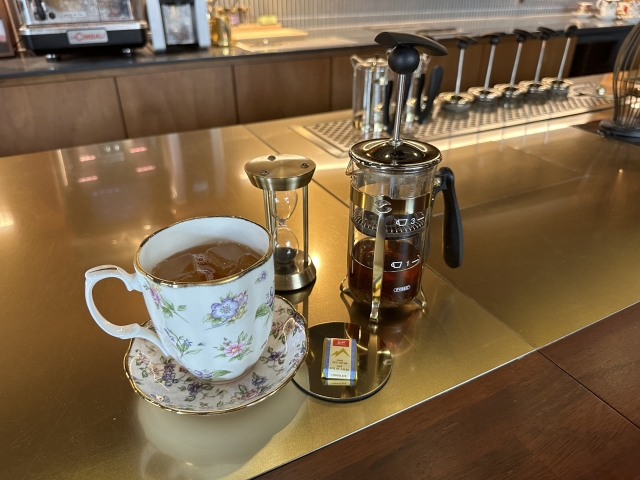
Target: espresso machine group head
<point>393,186</point>
<point>486,94</point>
<point>511,91</point>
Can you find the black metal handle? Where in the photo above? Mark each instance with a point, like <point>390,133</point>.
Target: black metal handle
<point>464,42</point>
<point>547,33</point>
<point>404,58</point>
<point>40,13</point>
<point>522,35</point>
<point>432,92</point>
<point>571,31</point>
<point>419,89</point>
<point>494,37</point>
<point>452,241</point>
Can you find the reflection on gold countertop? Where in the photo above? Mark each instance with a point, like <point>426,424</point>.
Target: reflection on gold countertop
<point>550,246</point>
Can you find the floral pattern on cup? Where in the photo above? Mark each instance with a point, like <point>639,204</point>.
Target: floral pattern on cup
<point>266,309</point>
<point>165,382</point>
<point>230,309</point>
<point>262,277</point>
<point>182,344</point>
<point>236,350</point>
<point>168,309</point>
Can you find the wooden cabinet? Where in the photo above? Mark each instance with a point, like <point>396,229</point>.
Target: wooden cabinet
<point>282,89</point>
<point>59,115</point>
<point>179,101</point>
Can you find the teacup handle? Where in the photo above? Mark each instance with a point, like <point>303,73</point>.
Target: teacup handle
<point>133,330</point>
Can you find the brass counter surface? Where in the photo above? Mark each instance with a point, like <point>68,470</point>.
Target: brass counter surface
<point>68,410</point>
<point>550,220</point>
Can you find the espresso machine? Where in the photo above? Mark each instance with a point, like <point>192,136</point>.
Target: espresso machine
<point>64,25</point>
<point>393,186</point>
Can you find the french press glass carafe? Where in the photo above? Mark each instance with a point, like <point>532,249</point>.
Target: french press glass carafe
<point>393,185</point>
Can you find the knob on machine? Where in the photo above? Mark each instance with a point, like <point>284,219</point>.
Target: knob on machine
<point>510,90</point>
<point>557,85</point>
<point>393,185</point>
<point>456,101</point>
<point>486,94</point>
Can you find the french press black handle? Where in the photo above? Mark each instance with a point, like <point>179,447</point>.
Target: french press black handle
<point>404,58</point>
<point>452,241</point>
<point>547,33</point>
<point>522,35</point>
<point>494,37</point>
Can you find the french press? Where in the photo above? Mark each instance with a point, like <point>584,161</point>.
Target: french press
<point>393,186</point>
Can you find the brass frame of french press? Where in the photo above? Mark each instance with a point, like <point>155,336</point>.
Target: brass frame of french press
<point>285,172</point>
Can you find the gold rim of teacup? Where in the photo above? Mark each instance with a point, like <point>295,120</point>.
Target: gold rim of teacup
<point>221,281</point>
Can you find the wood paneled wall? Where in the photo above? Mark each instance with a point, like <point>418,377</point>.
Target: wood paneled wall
<point>126,104</point>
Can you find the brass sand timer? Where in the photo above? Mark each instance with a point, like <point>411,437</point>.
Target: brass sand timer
<point>279,177</point>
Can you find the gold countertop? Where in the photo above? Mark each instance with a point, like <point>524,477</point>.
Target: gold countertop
<point>67,407</point>
<point>550,227</point>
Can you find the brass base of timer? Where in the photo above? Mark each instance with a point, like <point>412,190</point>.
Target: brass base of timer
<point>373,364</point>
<point>295,275</point>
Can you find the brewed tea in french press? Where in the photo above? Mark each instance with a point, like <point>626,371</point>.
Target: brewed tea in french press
<point>393,185</point>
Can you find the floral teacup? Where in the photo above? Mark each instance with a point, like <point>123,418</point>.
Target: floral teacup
<point>216,329</point>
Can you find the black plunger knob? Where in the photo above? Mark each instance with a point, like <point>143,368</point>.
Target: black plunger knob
<point>404,58</point>
<point>571,31</point>
<point>547,33</point>
<point>494,37</point>
<point>464,42</point>
<point>522,35</point>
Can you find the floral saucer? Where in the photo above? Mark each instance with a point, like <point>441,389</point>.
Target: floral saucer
<point>165,383</point>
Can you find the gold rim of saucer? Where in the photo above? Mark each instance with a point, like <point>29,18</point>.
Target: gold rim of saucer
<point>285,381</point>
<point>221,281</point>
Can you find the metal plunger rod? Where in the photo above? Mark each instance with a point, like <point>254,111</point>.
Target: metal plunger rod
<point>539,67</point>
<point>395,141</point>
<point>459,78</point>
<point>305,224</point>
<point>515,65</point>
<point>564,58</point>
<point>488,77</point>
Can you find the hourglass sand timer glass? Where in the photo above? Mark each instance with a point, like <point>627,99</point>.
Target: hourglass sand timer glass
<point>279,177</point>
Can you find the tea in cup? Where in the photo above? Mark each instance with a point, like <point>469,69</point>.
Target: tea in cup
<point>213,315</point>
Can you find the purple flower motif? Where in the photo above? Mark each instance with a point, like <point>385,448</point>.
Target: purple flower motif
<point>263,276</point>
<point>258,380</point>
<point>171,337</point>
<point>156,297</point>
<point>227,309</point>
<point>270,297</point>
<point>241,298</point>
<point>169,375</point>
<point>274,356</point>
<point>205,374</point>
<point>194,388</point>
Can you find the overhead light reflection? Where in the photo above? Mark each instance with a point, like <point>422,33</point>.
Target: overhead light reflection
<point>146,168</point>
<point>92,178</point>
<point>137,149</point>
<point>86,158</point>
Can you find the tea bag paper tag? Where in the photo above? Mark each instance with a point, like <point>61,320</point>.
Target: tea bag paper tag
<point>339,359</point>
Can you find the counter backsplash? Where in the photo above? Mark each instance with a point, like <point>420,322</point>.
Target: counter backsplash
<point>312,14</point>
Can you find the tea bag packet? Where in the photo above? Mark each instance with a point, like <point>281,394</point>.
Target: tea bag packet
<point>339,359</point>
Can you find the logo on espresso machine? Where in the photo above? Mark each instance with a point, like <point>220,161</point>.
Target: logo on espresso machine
<point>77,37</point>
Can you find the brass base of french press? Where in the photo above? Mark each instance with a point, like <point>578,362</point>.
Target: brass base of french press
<point>294,275</point>
<point>373,364</point>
